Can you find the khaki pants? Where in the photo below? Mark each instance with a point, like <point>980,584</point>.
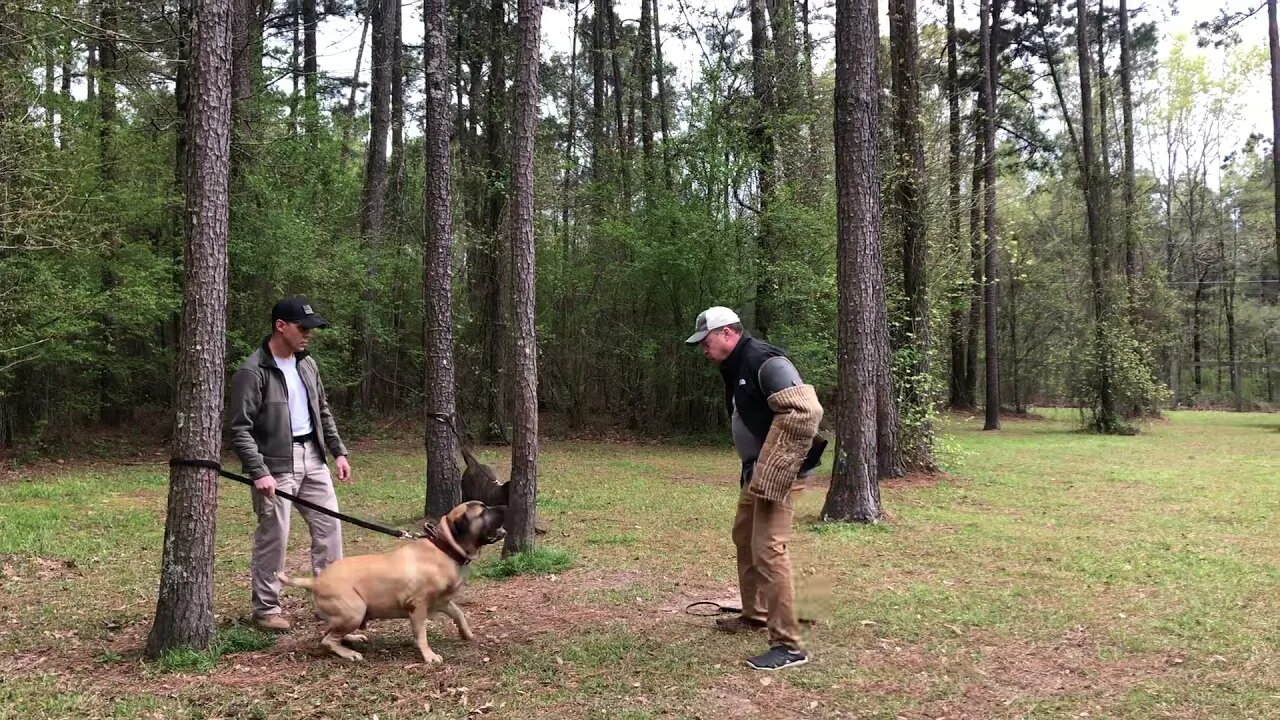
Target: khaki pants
<point>761,531</point>
<point>310,480</point>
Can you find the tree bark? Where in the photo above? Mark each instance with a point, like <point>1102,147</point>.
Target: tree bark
<point>243,21</point>
<point>976,253</point>
<point>1105,409</point>
<point>624,148</point>
<point>493,261</point>
<point>521,508</point>
<point>1273,34</point>
<point>443,489</point>
<point>910,193</point>
<point>598,109</point>
<point>991,293</point>
<point>765,111</point>
<point>861,318</point>
<point>184,609</point>
<point>374,198</point>
<point>1130,171</point>
<point>952,90</point>
<point>395,181</point>
<point>349,116</point>
<point>310,71</point>
<point>295,62</point>
<point>644,79</point>
<point>664,110</point>
<point>572,134</point>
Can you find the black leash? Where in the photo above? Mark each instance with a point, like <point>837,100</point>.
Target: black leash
<point>367,524</point>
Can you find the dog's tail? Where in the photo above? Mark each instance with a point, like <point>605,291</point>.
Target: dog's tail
<point>301,582</point>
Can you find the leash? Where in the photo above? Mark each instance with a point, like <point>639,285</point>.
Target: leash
<point>367,524</point>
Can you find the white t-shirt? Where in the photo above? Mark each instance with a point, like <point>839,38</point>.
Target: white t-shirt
<point>299,413</point>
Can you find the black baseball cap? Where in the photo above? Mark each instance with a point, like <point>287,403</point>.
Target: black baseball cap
<point>297,310</point>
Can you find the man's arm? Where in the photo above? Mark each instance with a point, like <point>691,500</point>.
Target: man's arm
<point>246,398</point>
<point>328,427</point>
<point>797,414</point>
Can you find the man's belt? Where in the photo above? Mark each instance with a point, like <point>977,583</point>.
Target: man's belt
<point>300,439</point>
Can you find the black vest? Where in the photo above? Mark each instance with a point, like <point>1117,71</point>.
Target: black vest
<point>741,373</point>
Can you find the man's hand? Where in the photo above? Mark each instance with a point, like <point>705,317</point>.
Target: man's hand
<point>344,469</point>
<point>266,485</point>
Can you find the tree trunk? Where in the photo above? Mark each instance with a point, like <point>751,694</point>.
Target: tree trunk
<point>1105,409</point>
<point>784,69</point>
<point>395,181</point>
<point>112,409</point>
<point>243,20</point>
<point>598,109</point>
<point>182,102</point>
<point>952,89</point>
<point>1013,339</point>
<point>766,110</point>
<point>1104,139</point>
<point>910,193</point>
<point>991,293</point>
<point>310,71</point>
<point>1130,172</point>
<point>493,259</point>
<point>624,148</point>
<point>644,80</point>
<point>664,110</point>
<point>295,62</point>
<point>572,134</point>
<point>91,71</point>
<point>443,489</point>
<point>855,487</point>
<point>184,609</point>
<point>374,199</point>
<point>1196,333</point>
<point>521,508</point>
<point>1228,265</point>
<point>1274,45</point>
<point>349,116</point>
<point>976,253</point>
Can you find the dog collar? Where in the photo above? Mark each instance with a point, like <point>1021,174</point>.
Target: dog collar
<point>446,547</point>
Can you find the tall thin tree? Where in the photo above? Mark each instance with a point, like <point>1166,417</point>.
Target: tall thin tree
<point>1130,172</point>
<point>991,297</point>
<point>1273,34</point>
<point>1105,409</point>
<point>184,608</point>
<point>909,194</point>
<point>443,490</point>
<point>521,508</point>
<point>861,315</point>
<point>956,328</point>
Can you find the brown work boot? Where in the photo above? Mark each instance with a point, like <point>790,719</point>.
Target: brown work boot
<point>740,624</point>
<point>272,623</point>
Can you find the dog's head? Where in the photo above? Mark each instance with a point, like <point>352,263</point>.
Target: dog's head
<point>474,524</point>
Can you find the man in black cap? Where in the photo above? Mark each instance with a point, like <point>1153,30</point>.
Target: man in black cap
<point>280,427</point>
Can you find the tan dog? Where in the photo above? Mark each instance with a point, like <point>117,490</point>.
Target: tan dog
<point>414,580</point>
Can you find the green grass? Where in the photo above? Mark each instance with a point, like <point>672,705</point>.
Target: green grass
<point>1050,573</point>
<point>539,561</point>
<point>226,641</point>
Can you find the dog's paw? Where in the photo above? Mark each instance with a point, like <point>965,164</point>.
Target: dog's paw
<point>355,657</point>
<point>356,637</point>
<point>431,658</point>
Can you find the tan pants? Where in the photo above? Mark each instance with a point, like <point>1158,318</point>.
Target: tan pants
<point>310,480</point>
<point>761,531</point>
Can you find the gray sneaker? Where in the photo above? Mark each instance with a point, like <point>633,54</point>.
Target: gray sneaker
<point>778,658</point>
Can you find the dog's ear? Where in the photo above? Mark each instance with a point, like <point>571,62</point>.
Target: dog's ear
<point>460,527</point>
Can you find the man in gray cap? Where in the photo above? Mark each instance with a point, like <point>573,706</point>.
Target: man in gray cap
<point>280,426</point>
<point>775,419</point>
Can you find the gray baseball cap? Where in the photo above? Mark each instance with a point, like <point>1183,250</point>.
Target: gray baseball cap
<point>713,318</point>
